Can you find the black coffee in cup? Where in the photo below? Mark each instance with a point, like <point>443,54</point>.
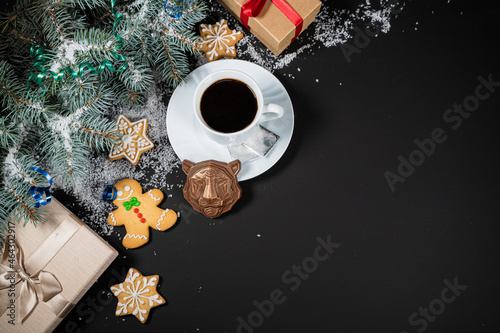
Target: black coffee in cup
<point>228,105</point>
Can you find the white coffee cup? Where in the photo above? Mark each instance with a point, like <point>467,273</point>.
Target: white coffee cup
<point>265,112</point>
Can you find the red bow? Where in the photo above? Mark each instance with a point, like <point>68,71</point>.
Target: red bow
<point>252,8</point>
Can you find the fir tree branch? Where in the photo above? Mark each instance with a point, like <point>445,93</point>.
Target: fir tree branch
<point>132,96</point>
<point>143,45</point>
<point>13,18</point>
<point>18,100</point>
<point>21,36</point>
<point>86,106</point>
<point>106,135</point>
<point>172,33</point>
<point>102,18</point>
<point>9,134</point>
<point>31,213</point>
<point>56,23</point>
<point>69,121</point>
<point>195,9</point>
<point>8,138</point>
<point>53,5</point>
<point>15,171</point>
<point>175,73</point>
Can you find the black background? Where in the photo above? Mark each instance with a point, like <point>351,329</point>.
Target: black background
<point>396,248</point>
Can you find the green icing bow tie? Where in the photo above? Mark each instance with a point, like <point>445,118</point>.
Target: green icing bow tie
<point>133,202</point>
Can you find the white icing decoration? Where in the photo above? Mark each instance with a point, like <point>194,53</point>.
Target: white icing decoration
<point>113,218</point>
<point>135,236</point>
<point>161,219</point>
<point>219,37</point>
<point>128,196</point>
<point>133,142</point>
<point>153,197</point>
<point>135,292</point>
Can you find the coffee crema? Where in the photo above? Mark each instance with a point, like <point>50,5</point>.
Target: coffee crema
<point>228,105</point>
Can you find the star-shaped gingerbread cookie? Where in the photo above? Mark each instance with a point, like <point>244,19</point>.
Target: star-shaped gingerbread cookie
<point>134,141</point>
<point>137,295</point>
<point>218,40</point>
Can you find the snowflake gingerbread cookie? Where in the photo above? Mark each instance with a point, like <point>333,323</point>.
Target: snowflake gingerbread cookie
<point>218,40</point>
<point>134,141</point>
<point>137,295</point>
<point>138,212</point>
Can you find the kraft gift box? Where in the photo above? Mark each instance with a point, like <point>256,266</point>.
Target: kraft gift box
<point>279,21</point>
<point>60,261</point>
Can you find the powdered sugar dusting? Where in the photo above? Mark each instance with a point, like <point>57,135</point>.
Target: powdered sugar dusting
<point>333,26</point>
<point>151,171</point>
<point>332,30</point>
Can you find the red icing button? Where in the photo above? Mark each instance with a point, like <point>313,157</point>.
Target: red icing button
<point>136,210</point>
<point>139,215</point>
<point>143,220</point>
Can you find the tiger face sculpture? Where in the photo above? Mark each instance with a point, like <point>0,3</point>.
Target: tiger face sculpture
<point>211,186</point>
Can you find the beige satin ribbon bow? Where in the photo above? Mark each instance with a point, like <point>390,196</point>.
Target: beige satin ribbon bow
<point>27,289</point>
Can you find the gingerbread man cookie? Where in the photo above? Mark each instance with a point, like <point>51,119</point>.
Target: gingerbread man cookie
<point>137,295</point>
<point>218,40</point>
<point>138,212</point>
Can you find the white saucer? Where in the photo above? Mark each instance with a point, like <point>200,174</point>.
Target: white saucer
<point>190,142</point>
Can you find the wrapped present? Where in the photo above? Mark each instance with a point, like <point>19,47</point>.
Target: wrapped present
<point>45,270</point>
<point>276,23</point>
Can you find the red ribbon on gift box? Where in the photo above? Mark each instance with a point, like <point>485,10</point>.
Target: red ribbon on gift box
<point>252,8</point>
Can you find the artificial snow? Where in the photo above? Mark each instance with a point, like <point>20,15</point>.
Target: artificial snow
<point>333,27</point>
<point>151,170</point>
